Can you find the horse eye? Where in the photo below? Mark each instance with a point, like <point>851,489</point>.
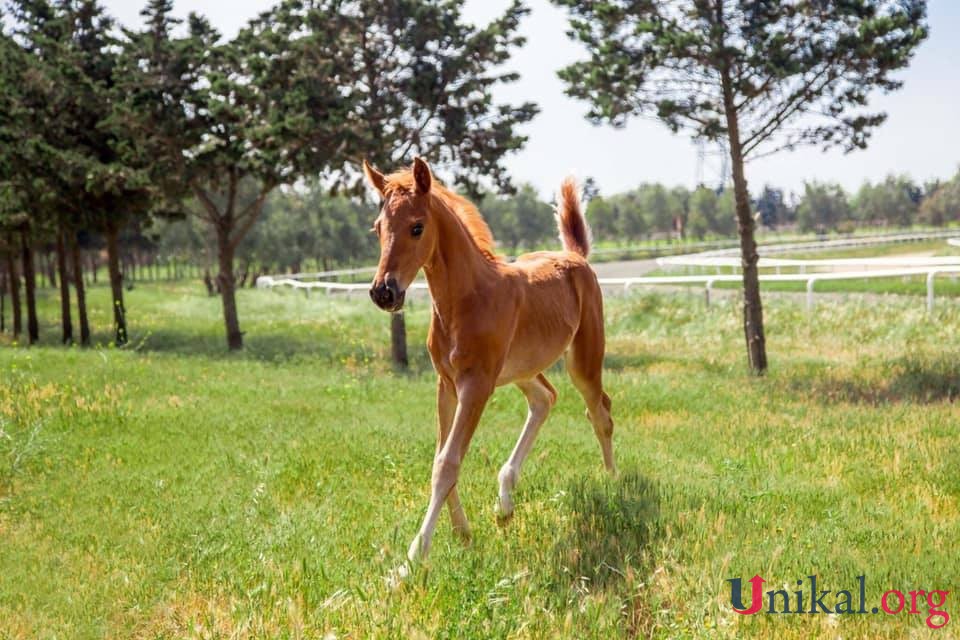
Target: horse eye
<point>417,229</point>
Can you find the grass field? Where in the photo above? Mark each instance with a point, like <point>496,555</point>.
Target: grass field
<point>169,490</point>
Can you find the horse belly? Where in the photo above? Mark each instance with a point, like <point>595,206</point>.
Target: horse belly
<point>525,364</point>
<point>535,348</point>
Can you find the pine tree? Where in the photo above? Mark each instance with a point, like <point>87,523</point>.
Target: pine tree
<point>763,75</point>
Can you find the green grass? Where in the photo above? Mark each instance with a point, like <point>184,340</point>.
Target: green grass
<point>169,490</point>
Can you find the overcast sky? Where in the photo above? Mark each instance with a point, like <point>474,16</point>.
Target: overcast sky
<point>921,136</point>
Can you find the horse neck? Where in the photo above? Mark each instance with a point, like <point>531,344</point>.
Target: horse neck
<point>457,265</point>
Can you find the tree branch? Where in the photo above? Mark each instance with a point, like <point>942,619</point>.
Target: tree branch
<point>790,107</point>
<point>212,213</point>
<point>250,215</point>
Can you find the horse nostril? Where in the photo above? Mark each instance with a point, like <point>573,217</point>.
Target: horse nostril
<point>383,295</point>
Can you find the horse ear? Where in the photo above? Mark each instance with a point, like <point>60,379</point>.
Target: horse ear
<point>421,175</point>
<point>374,177</point>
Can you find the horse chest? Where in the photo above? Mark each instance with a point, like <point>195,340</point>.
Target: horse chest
<point>460,344</point>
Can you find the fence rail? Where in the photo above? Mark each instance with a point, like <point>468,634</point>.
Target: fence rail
<point>883,267</point>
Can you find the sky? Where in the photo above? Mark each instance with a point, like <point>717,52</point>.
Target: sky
<point>921,136</point>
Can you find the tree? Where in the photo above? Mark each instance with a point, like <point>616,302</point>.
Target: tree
<point>942,203</point>
<point>519,219</point>
<point>761,75</point>
<point>894,201</point>
<point>822,207</point>
<point>632,224</point>
<point>726,222</point>
<point>680,204</point>
<point>657,208</point>
<point>423,79</point>
<point>590,189</point>
<point>603,218</point>
<point>703,213</point>
<point>770,204</point>
<point>231,121</point>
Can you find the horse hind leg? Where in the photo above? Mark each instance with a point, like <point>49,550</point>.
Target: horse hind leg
<point>541,396</point>
<point>585,365</point>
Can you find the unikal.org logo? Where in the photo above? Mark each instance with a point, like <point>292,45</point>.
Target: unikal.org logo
<point>808,599</point>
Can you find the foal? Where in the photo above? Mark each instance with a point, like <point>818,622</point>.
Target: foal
<point>493,322</point>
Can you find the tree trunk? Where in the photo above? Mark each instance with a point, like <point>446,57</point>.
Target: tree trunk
<point>3,302</point>
<point>398,340</point>
<point>752,307</point>
<point>81,289</point>
<point>208,282</point>
<point>30,284</point>
<point>66,321</point>
<point>230,229</point>
<point>228,290</point>
<point>13,278</point>
<point>116,286</point>
<point>51,269</point>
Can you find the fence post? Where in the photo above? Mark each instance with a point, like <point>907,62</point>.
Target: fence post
<point>810,293</point>
<point>398,340</point>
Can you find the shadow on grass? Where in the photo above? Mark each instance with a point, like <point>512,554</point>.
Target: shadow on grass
<point>263,346</point>
<point>614,361</point>
<point>617,361</point>
<point>276,345</point>
<point>908,379</point>
<point>608,545</point>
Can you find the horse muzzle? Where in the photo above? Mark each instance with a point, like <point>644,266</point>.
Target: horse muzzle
<point>387,295</point>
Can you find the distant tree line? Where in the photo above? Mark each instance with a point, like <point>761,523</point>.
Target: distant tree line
<point>307,229</point>
<point>654,210</point>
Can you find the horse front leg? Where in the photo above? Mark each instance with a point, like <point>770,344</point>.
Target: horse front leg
<point>446,410</point>
<point>472,395</point>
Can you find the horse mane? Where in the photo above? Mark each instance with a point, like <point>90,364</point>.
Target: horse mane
<point>402,182</point>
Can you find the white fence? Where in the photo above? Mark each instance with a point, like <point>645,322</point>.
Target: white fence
<point>849,268</point>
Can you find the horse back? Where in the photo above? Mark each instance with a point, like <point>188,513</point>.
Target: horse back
<point>557,288</point>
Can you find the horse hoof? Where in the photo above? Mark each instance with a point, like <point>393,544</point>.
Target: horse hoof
<point>504,511</point>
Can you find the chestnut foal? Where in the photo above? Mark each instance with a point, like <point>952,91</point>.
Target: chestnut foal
<point>493,322</point>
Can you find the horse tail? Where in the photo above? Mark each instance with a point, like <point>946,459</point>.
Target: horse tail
<point>574,232</point>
